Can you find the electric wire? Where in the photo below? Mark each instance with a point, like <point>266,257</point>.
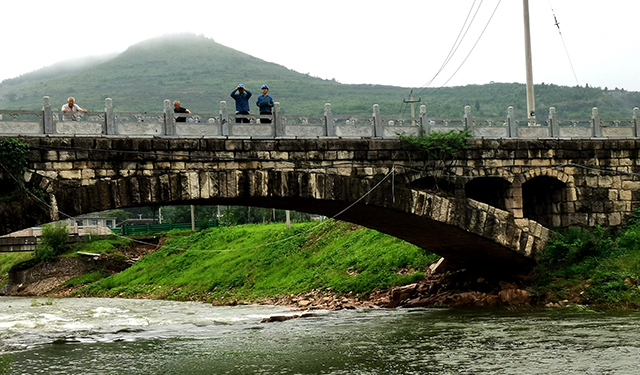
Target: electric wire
<point>454,47</point>
<point>557,24</point>
<point>472,48</point>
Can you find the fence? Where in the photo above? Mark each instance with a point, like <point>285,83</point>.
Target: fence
<point>229,125</point>
<point>128,230</point>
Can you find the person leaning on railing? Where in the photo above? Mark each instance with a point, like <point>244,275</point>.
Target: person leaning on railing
<point>179,109</point>
<point>71,107</point>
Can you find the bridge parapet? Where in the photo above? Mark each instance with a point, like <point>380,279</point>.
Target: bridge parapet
<point>228,125</point>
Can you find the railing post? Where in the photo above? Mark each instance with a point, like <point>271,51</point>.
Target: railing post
<point>378,128</point>
<point>48,125</point>
<point>277,120</point>
<point>224,119</point>
<point>553,123</point>
<point>329,125</point>
<point>511,123</point>
<point>468,121</point>
<point>425,126</point>
<point>636,120</point>
<point>109,117</point>
<point>595,120</point>
<point>169,124</point>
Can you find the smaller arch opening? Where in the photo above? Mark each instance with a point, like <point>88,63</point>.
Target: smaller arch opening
<point>493,191</point>
<point>541,200</point>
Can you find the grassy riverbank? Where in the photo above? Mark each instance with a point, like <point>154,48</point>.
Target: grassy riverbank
<point>592,267</point>
<point>252,262</point>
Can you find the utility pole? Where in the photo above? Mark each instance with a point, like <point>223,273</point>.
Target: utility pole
<point>531,103</point>
<point>413,105</point>
<point>193,218</point>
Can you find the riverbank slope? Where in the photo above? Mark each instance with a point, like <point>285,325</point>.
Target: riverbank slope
<point>339,265</point>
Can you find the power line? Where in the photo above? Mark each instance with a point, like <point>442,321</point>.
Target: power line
<point>557,24</point>
<point>454,47</point>
<point>474,45</point>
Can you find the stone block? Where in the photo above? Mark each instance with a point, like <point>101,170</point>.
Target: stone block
<point>61,165</point>
<point>70,175</point>
<point>631,185</point>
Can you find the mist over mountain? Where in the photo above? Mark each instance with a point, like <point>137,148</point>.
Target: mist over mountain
<point>200,73</point>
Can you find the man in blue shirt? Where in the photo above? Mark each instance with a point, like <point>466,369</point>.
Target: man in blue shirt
<point>265,103</point>
<point>241,96</point>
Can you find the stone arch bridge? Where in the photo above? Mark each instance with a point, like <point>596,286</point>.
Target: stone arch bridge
<point>489,208</point>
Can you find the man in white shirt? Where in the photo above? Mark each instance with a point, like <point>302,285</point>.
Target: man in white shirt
<point>71,106</point>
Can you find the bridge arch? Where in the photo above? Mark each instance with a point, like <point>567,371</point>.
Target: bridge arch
<point>468,233</point>
<point>544,194</point>
<point>494,191</point>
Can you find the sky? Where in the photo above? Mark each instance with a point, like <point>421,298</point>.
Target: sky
<point>399,43</point>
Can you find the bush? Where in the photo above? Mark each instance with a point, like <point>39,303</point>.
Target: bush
<point>53,242</point>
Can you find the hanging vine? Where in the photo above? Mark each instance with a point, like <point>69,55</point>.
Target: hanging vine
<point>13,164</point>
<point>438,151</point>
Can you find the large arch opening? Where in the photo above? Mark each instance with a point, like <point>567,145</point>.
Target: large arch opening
<point>541,199</point>
<point>493,191</point>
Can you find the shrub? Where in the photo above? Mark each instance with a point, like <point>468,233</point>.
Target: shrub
<point>53,242</point>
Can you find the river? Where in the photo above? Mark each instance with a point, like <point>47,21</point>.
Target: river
<point>117,336</point>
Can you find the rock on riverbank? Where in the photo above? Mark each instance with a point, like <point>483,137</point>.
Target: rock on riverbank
<point>438,288</point>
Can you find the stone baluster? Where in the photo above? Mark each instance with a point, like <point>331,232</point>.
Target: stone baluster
<point>329,125</point>
<point>378,129</point>
<point>553,123</point>
<point>224,119</point>
<point>277,120</point>
<point>109,117</point>
<point>512,130</point>
<point>48,125</point>
<point>595,120</point>
<point>169,123</point>
<point>425,126</point>
<point>468,121</point>
<point>636,121</point>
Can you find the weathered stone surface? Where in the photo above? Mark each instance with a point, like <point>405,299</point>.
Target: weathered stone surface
<point>327,175</point>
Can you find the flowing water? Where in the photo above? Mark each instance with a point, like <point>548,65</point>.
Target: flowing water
<point>115,336</point>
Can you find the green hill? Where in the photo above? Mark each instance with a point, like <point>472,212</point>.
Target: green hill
<point>200,73</point>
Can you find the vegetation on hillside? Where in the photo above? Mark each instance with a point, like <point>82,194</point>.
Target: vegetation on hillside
<point>201,73</point>
<point>592,267</point>
<point>256,261</point>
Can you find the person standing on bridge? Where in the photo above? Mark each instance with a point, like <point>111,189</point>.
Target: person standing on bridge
<point>178,109</point>
<point>265,103</point>
<point>241,96</point>
<point>69,108</point>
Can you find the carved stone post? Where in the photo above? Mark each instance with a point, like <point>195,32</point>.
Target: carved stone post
<point>277,119</point>
<point>109,117</point>
<point>553,122</point>
<point>512,130</point>
<point>169,124</point>
<point>329,125</point>
<point>48,125</point>
<point>425,126</point>
<point>595,120</point>
<point>378,128</point>
<point>468,121</point>
<point>636,120</point>
<point>224,119</point>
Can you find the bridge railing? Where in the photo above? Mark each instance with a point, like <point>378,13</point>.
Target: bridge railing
<point>228,124</point>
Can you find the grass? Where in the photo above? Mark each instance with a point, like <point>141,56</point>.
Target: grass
<point>593,267</point>
<point>251,262</point>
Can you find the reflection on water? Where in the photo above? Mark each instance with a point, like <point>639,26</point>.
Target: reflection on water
<point>112,336</point>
